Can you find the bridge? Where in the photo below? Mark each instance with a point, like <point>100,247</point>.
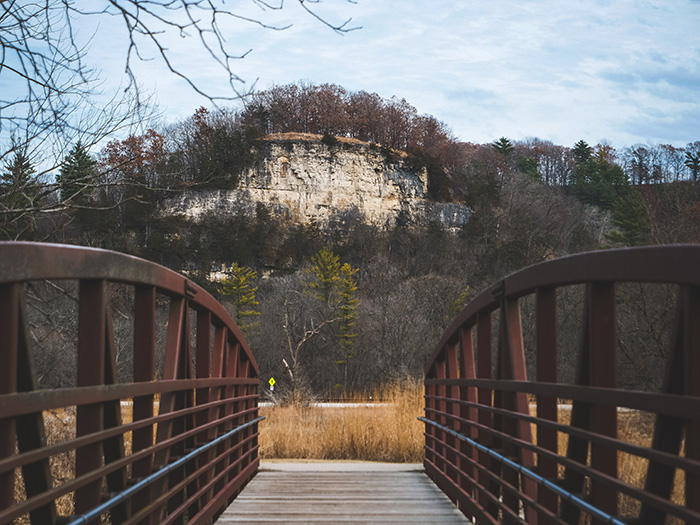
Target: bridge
<point>503,448</point>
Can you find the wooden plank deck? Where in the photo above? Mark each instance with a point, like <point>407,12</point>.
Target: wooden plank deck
<point>341,492</point>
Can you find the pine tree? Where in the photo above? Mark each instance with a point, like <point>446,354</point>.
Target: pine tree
<point>17,179</point>
<point>334,285</point>
<point>238,285</point>
<point>504,146</point>
<point>18,191</point>
<point>348,302</point>
<point>582,152</point>
<point>76,176</point>
<point>692,162</point>
<point>459,303</point>
<point>326,270</point>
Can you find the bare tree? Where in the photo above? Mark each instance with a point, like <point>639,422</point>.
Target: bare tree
<point>52,96</point>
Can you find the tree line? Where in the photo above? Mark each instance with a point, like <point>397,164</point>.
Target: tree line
<point>389,292</point>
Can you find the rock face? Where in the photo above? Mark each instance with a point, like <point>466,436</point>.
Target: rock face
<point>304,179</point>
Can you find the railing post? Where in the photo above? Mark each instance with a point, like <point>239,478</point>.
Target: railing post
<point>144,371</point>
<point>454,461</point>
<point>603,362</point>
<point>430,431</point>
<point>692,367</point>
<point>467,393</point>
<point>441,368</point>
<point>485,398</point>
<point>9,342</point>
<point>91,370</point>
<point>203,355</point>
<point>546,312</point>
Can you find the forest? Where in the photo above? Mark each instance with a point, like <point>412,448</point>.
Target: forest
<point>345,307</point>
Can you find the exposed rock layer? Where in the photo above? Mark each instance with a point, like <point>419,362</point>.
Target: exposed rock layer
<point>304,179</point>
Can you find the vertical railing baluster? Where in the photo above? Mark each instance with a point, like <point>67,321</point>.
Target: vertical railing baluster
<point>218,369</point>
<point>203,357</point>
<point>692,370</point>
<point>603,363</point>
<point>546,312</point>
<point>9,342</point>
<point>430,430</point>
<point>91,366</point>
<point>467,393</point>
<point>441,368</point>
<point>485,398</point>
<point>144,371</point>
<point>232,405</point>
<point>454,462</point>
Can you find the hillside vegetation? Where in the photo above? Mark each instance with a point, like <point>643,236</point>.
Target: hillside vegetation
<point>530,201</point>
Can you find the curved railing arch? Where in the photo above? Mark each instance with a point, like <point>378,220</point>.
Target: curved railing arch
<point>206,392</point>
<point>481,448</point>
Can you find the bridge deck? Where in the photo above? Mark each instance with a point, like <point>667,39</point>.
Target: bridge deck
<point>340,492</point>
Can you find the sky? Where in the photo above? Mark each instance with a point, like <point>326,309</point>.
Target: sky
<point>625,72</point>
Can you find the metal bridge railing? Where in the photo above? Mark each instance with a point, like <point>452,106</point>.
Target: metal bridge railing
<point>189,442</point>
<point>502,459</point>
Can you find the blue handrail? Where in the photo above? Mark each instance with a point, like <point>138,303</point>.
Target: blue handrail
<point>124,495</point>
<point>593,511</point>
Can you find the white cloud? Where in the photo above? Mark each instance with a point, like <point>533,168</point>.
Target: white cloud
<point>561,71</point>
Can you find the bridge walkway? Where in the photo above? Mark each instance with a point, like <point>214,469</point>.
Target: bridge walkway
<point>341,492</point>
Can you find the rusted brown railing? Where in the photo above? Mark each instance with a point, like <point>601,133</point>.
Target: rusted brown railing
<point>207,389</point>
<point>503,460</point>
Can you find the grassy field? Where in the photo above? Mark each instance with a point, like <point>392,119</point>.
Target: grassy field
<point>384,429</point>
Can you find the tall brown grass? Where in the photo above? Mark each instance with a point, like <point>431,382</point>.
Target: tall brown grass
<point>636,428</point>
<point>383,428</point>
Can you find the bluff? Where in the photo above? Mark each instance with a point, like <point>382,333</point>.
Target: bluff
<point>304,178</point>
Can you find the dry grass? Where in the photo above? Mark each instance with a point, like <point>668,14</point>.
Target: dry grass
<point>59,426</point>
<point>636,428</point>
<point>387,430</point>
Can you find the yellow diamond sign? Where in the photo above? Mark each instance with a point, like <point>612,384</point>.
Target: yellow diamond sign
<point>272,381</point>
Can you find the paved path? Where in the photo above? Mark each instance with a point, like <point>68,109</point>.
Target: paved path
<point>341,492</point>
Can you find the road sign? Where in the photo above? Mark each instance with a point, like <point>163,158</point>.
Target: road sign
<point>272,381</point>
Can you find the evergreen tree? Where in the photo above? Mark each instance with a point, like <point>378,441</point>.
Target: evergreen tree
<point>348,306</point>
<point>18,191</point>
<point>504,146</point>
<point>598,182</point>
<point>76,176</point>
<point>692,161</point>
<point>348,315</point>
<point>460,303</point>
<point>239,286</point>
<point>582,152</point>
<point>631,218</point>
<point>326,270</point>
<point>601,183</point>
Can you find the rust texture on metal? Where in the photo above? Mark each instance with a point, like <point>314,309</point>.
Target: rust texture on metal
<point>208,385</point>
<point>477,386</point>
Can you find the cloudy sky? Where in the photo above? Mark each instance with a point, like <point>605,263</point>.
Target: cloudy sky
<point>624,71</point>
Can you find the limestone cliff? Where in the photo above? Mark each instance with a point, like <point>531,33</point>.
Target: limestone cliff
<point>305,179</point>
